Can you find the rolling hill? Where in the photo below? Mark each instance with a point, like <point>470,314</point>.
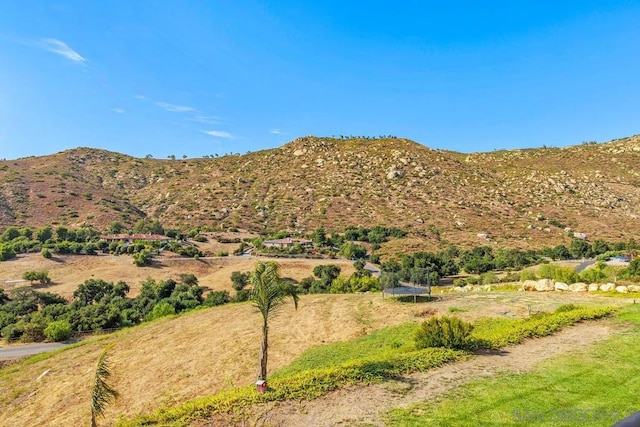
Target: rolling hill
<point>518,197</point>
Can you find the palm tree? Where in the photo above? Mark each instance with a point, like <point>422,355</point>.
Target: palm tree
<point>268,293</point>
<point>102,392</point>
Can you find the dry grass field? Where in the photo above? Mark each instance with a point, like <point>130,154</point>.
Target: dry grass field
<point>69,271</point>
<point>175,359</point>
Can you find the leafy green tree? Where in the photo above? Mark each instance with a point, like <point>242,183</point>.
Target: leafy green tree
<point>580,249</point>
<point>239,280</point>
<point>351,250</point>
<point>101,393</point>
<point>268,294</point>
<point>62,233</point>
<point>142,258</point>
<point>43,234</point>
<point>60,330</point>
<point>160,310</point>
<point>217,298</point>
<point>319,237</point>
<point>115,227</point>
<point>599,246</point>
<point>561,252</point>
<point>9,234</point>
<point>6,252</point>
<point>41,276</point>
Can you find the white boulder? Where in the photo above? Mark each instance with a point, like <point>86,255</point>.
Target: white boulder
<point>607,287</point>
<point>529,285</point>
<point>560,286</point>
<point>578,287</point>
<point>544,285</point>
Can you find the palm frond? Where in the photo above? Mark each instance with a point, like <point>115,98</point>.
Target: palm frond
<point>102,393</point>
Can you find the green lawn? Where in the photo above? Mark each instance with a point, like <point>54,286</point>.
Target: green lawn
<point>384,342</point>
<point>595,388</point>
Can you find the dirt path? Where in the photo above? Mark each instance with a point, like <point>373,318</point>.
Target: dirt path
<point>365,405</point>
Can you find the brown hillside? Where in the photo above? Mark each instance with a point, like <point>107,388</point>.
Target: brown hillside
<point>515,196</point>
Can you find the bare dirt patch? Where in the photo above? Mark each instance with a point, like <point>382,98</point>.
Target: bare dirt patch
<point>365,405</point>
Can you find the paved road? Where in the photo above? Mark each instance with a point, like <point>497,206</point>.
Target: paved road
<point>583,265</point>
<point>16,351</point>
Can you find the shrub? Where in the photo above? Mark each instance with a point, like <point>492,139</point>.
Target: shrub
<point>160,310</point>
<point>567,307</point>
<point>489,278</point>
<point>60,330</point>
<point>142,258</point>
<point>459,282</point>
<point>13,331</point>
<point>33,332</point>
<point>527,275</point>
<point>217,298</point>
<point>447,332</point>
<point>46,253</point>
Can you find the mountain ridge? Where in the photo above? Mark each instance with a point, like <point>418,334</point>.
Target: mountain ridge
<point>525,197</point>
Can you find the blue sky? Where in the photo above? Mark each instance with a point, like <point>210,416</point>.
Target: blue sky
<point>203,77</point>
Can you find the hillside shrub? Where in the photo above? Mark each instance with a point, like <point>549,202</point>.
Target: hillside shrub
<point>46,253</point>
<point>33,332</point>
<point>445,331</point>
<point>142,258</point>
<point>60,330</point>
<point>217,298</point>
<point>160,310</point>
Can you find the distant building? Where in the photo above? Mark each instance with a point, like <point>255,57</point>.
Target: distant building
<point>134,237</point>
<point>286,243</point>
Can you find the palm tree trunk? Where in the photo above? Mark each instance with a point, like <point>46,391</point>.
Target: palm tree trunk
<point>263,351</point>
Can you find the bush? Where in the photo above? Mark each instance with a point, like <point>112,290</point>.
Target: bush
<point>160,310</point>
<point>142,258</point>
<point>60,330</point>
<point>447,332</point>
<point>528,275</point>
<point>33,332</point>
<point>217,298</point>
<point>13,331</point>
<point>459,282</point>
<point>46,253</point>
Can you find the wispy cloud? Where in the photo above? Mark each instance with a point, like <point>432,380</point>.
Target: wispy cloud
<point>276,131</point>
<point>206,119</point>
<point>61,48</point>
<point>140,97</point>
<point>175,108</point>
<point>118,110</point>
<point>218,134</point>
